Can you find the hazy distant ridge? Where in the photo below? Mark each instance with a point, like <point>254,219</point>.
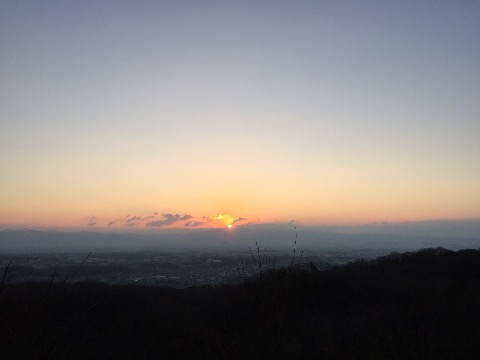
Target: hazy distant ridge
<point>374,236</point>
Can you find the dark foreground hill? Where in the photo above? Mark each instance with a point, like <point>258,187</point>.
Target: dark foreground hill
<point>423,305</point>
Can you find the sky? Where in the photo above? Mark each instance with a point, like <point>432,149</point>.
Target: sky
<point>190,114</point>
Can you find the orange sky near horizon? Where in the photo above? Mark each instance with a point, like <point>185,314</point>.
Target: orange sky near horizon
<point>260,186</point>
<point>308,208</point>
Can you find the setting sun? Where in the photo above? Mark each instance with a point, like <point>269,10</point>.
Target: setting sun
<point>229,226</point>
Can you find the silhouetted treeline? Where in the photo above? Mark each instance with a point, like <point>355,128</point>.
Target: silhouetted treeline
<point>423,305</point>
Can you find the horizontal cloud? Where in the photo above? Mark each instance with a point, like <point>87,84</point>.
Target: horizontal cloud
<point>239,219</point>
<point>92,221</point>
<point>194,223</point>
<point>138,218</point>
<point>169,219</point>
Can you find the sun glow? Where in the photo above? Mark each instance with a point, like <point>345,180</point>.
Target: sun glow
<point>225,220</point>
<point>228,220</point>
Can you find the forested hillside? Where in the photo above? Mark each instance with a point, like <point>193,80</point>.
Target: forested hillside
<point>422,305</point>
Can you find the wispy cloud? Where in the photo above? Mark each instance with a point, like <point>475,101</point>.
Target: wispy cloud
<point>91,220</point>
<point>169,219</point>
<point>138,218</point>
<point>129,220</point>
<point>239,220</point>
<point>195,223</point>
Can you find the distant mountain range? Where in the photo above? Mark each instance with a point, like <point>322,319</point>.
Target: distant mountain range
<point>405,236</point>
